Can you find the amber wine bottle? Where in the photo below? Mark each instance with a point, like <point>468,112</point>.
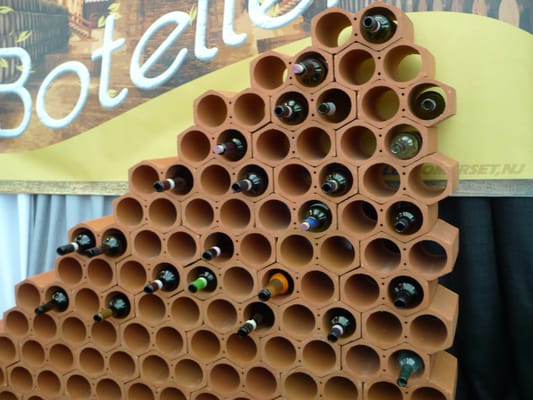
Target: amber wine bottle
<point>279,283</point>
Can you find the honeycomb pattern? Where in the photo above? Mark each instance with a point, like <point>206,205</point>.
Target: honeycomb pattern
<point>184,344</point>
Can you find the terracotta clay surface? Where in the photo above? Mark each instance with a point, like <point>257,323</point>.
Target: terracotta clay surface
<point>187,344</point>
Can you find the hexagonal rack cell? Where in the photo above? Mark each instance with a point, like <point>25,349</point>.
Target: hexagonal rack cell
<point>290,249</point>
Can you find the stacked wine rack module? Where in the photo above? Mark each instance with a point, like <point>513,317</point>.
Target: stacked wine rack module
<point>183,345</point>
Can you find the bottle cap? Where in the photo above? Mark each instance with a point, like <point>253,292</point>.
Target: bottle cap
<point>67,248</point>
<point>264,295</point>
<point>219,149</point>
<point>308,224</point>
<point>298,68</point>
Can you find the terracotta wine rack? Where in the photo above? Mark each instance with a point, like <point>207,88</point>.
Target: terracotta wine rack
<point>179,344</point>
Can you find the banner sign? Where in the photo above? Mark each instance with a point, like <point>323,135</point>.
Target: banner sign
<point>89,89</point>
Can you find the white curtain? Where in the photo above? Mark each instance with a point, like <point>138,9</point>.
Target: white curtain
<point>31,228</point>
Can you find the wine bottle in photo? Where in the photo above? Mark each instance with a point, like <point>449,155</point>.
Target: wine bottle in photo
<point>205,281</point>
<point>337,181</point>
<point>405,292</point>
<point>59,302</point>
<point>405,217</point>
<point>279,283</point>
<point>310,70</point>
<point>222,247</point>
<point>410,364</point>
<point>316,218</point>
<point>259,316</point>
<point>292,109</point>
<point>253,182</point>
<point>428,105</point>
<point>377,28</point>
<point>341,324</point>
<point>180,182</point>
<point>233,147</point>
<point>405,145</point>
<point>118,306</point>
<point>83,241</point>
<point>113,245</point>
<point>327,108</point>
<point>167,280</point>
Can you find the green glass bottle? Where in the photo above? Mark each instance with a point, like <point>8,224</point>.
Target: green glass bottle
<point>405,145</point>
<point>377,28</point>
<point>410,363</point>
<point>58,301</point>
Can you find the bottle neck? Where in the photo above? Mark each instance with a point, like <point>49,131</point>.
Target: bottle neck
<point>104,314</point>
<point>211,253</point>
<point>277,285</point>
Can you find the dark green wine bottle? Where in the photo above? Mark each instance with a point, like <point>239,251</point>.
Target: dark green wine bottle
<point>429,105</point>
<point>317,217</point>
<point>206,281</point>
<point>311,70</point>
<point>405,292</point>
<point>410,363</point>
<point>342,324</point>
<point>167,280</point>
<point>113,245</point>
<point>118,306</point>
<point>377,28</point>
<point>253,182</point>
<point>58,301</point>
<point>83,241</point>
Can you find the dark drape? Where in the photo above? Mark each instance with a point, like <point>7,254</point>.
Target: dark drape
<point>493,276</point>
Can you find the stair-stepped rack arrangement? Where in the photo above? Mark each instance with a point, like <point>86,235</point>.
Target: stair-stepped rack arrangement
<point>290,250</point>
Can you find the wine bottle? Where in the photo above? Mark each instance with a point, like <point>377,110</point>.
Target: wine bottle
<point>206,280</point>
<point>58,301</point>
<point>118,306</point>
<point>279,283</point>
<point>405,292</point>
<point>410,363</point>
<point>167,280</point>
<point>113,245</point>
<point>429,105</point>
<point>253,182</point>
<point>327,108</point>
<point>223,247</point>
<point>337,181</point>
<point>250,325</point>
<point>260,316</point>
<point>317,217</point>
<point>342,324</point>
<point>406,217</point>
<point>292,111</point>
<point>311,70</point>
<point>233,148</point>
<point>377,28</point>
<point>83,241</point>
<point>405,145</point>
<point>180,180</point>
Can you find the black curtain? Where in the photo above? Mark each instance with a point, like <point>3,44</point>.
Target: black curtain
<point>493,276</point>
